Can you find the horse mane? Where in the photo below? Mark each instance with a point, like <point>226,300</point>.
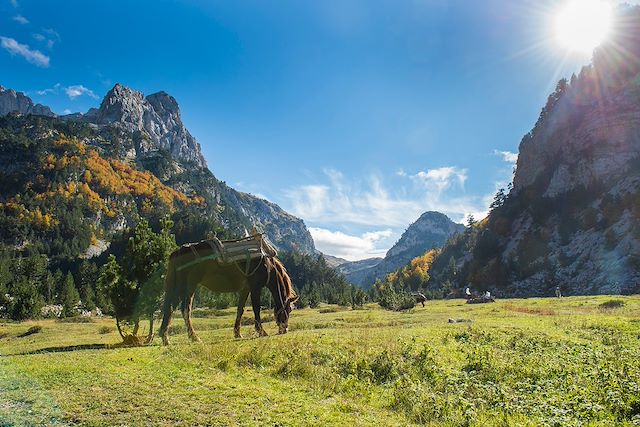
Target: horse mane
<point>283,279</point>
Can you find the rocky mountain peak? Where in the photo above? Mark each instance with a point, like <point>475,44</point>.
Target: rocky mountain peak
<point>17,102</point>
<point>155,118</point>
<point>429,231</point>
<point>432,229</point>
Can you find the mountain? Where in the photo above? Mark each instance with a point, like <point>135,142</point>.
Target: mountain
<point>357,271</point>
<point>334,261</point>
<point>18,102</point>
<point>70,184</point>
<point>429,231</point>
<point>572,218</point>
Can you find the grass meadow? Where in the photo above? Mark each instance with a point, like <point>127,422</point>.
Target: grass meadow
<point>523,362</point>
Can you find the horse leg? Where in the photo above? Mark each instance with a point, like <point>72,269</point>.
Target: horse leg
<point>242,299</point>
<point>255,302</point>
<point>187,307</point>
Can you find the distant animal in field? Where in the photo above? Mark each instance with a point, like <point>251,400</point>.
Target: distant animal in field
<point>244,266</point>
<point>420,298</point>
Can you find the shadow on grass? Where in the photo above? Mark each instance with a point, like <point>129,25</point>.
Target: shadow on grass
<point>62,349</point>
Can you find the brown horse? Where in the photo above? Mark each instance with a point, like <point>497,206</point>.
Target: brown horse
<point>197,264</point>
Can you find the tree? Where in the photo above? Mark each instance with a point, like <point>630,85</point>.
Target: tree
<point>69,296</point>
<point>135,284</point>
<point>498,199</point>
<point>26,302</point>
<point>88,273</point>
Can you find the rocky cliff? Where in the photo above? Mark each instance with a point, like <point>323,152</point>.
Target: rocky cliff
<point>572,217</point>
<point>17,102</point>
<point>154,120</point>
<point>429,231</point>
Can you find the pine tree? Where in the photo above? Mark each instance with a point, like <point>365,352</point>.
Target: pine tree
<point>69,296</point>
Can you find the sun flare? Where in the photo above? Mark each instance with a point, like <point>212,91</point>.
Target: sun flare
<point>582,25</point>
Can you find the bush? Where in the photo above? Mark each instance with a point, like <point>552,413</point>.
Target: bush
<point>397,301</point>
<point>106,330</point>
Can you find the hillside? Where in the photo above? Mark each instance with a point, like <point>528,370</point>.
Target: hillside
<point>429,231</point>
<point>572,218</point>
<point>69,184</point>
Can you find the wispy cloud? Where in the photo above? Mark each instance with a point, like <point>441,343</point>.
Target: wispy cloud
<point>52,90</point>
<point>372,203</point>
<point>21,19</point>
<point>78,90</point>
<point>441,178</point>
<point>367,245</point>
<point>72,92</point>
<point>14,3</point>
<point>507,156</point>
<point>50,39</point>
<point>34,57</point>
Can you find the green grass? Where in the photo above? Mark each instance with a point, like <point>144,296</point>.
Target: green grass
<point>532,362</point>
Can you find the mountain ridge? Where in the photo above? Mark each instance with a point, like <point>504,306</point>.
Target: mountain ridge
<point>430,230</point>
<point>148,133</point>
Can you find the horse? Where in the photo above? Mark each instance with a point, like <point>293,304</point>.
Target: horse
<point>420,298</point>
<point>198,264</point>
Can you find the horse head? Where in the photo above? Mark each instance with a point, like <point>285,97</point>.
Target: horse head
<point>284,295</point>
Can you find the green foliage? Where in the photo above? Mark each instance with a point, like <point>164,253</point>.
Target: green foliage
<point>315,281</point>
<point>135,285</point>
<point>68,296</point>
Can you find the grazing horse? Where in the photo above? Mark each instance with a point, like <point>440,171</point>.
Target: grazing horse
<point>420,298</point>
<point>198,264</point>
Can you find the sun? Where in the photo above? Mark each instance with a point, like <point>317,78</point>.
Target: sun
<point>582,25</point>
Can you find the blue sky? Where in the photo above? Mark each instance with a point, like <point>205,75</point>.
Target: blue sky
<point>356,115</point>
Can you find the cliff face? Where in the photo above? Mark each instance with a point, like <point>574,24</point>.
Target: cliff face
<point>17,102</point>
<point>154,120</point>
<point>429,231</point>
<point>573,216</point>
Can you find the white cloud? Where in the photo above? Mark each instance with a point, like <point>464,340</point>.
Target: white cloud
<point>39,37</point>
<point>372,203</point>
<point>50,90</point>
<point>441,178</point>
<point>35,57</point>
<point>72,92</point>
<point>66,111</point>
<point>21,19</point>
<point>78,90</point>
<point>14,3</point>
<point>507,156</point>
<point>351,247</point>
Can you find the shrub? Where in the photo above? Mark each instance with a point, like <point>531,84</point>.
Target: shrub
<point>397,301</point>
<point>106,330</point>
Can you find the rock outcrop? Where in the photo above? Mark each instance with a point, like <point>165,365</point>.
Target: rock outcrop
<point>154,119</point>
<point>17,102</point>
